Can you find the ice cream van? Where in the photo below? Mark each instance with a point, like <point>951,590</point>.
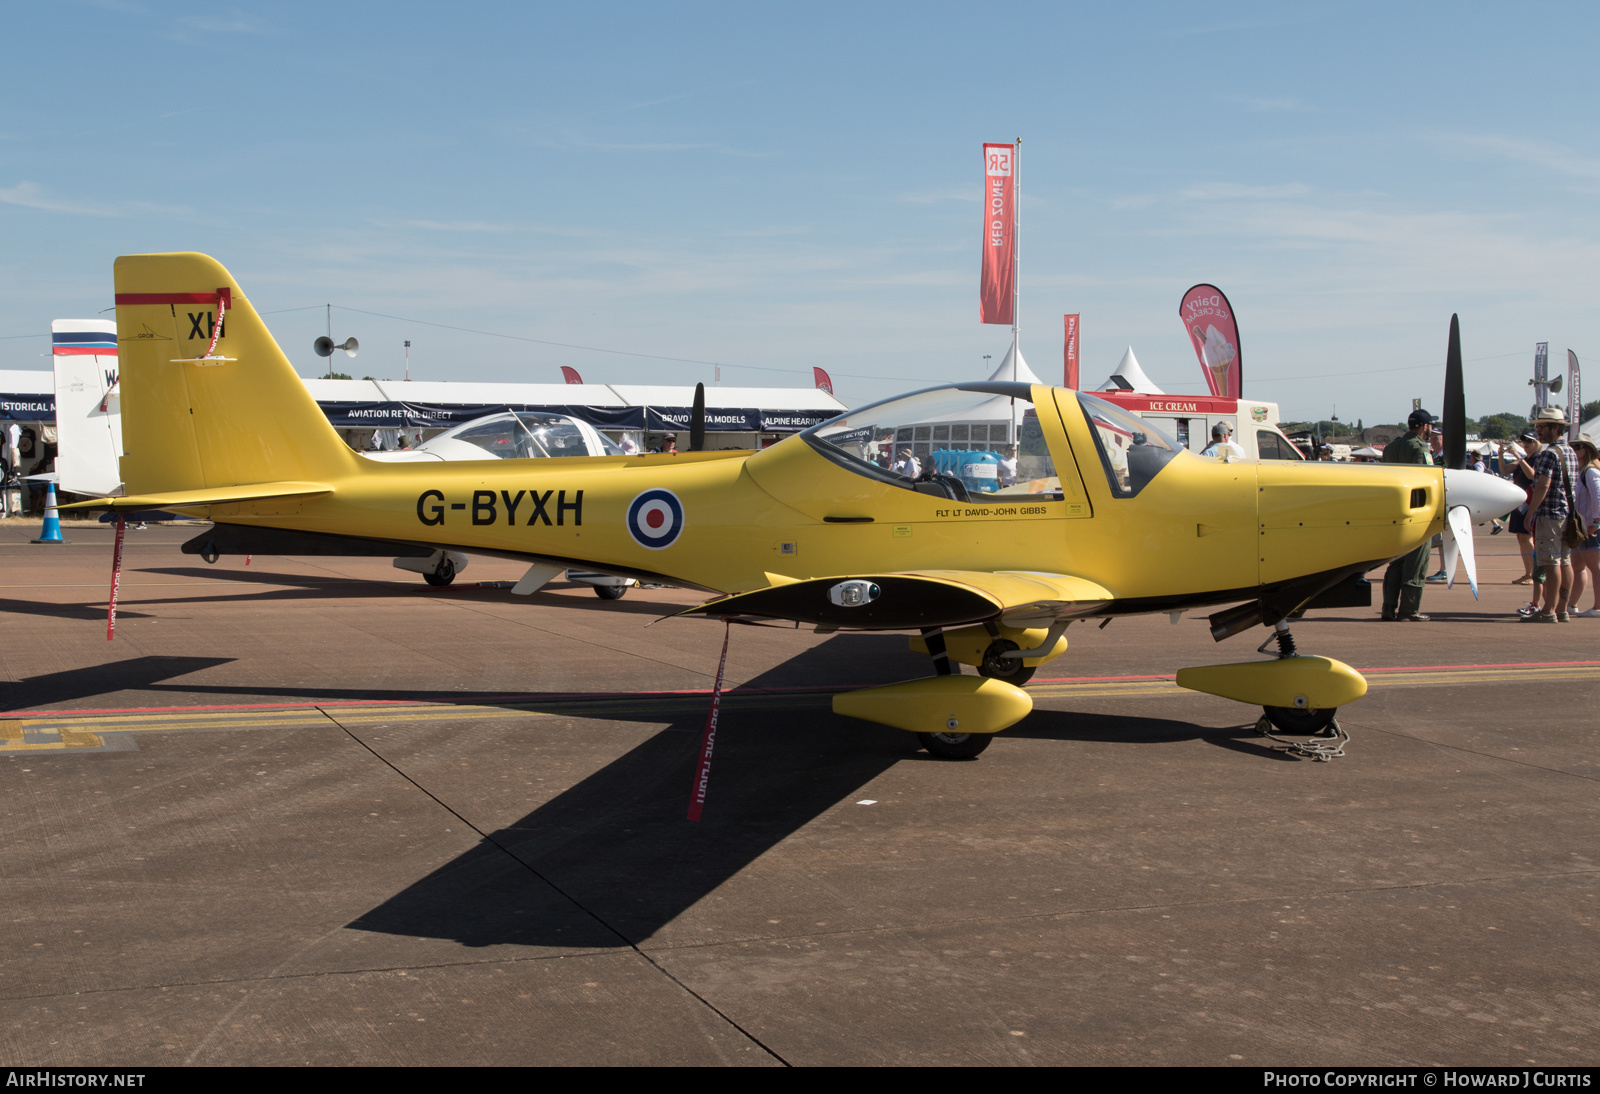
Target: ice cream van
<point>1188,420</point>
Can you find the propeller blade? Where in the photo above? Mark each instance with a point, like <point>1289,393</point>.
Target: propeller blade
<point>697,420</point>
<point>1455,403</point>
<point>1458,540</point>
<point>1452,551</point>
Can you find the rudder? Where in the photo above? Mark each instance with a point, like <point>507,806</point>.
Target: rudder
<point>194,416</point>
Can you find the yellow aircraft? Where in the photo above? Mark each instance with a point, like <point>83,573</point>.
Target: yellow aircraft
<point>843,526</point>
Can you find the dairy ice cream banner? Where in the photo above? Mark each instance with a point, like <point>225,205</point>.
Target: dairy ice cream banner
<point>1214,333</point>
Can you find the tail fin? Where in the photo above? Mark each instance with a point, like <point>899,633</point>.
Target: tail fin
<point>208,398</point>
<point>84,356</point>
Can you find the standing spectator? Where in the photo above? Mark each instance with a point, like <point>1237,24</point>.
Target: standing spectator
<point>1586,558</point>
<point>1555,473</point>
<point>1007,470</point>
<point>1402,581</point>
<point>1522,477</point>
<point>1222,443</point>
<point>907,465</point>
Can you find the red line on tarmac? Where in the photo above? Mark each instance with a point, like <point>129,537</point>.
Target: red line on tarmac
<point>549,697</point>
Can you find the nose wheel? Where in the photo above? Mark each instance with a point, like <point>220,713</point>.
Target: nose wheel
<point>1321,725</point>
<point>955,746</point>
<point>1300,723</point>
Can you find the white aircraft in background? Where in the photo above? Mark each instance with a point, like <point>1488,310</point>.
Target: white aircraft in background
<point>89,432</point>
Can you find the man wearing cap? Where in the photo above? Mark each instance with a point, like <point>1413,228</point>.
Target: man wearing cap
<point>1555,474</point>
<point>1402,581</point>
<point>1222,443</point>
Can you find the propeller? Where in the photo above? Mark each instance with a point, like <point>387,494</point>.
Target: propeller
<point>1468,496</point>
<point>697,420</point>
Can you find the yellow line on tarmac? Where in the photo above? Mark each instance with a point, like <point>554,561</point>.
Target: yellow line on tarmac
<point>68,732</point>
<point>85,732</point>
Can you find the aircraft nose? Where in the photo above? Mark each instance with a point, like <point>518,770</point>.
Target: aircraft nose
<point>1485,496</point>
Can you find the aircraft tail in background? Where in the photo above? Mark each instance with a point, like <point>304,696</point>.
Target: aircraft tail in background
<point>88,420</point>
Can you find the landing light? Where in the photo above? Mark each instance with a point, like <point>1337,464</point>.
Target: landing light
<point>853,594</point>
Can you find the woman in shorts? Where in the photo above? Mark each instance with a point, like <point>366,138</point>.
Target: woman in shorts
<point>1522,477</point>
<point>1586,557</point>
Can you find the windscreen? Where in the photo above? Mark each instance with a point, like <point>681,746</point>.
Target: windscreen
<point>954,442</point>
<point>1132,450</point>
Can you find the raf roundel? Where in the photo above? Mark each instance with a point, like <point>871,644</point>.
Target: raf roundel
<point>655,519</point>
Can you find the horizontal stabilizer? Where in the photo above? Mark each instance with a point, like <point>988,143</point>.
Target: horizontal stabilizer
<point>928,598</point>
<point>211,495</point>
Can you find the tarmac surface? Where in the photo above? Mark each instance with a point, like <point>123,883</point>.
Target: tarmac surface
<point>311,810</point>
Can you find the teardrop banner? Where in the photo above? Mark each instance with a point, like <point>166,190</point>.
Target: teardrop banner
<point>1214,334</point>
<point>997,283</point>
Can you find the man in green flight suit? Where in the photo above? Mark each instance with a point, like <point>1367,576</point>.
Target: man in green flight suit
<point>1402,581</point>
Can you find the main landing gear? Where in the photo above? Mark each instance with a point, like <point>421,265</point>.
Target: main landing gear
<point>954,745</point>
<point>997,666</point>
<point>441,575</point>
<point>954,716</point>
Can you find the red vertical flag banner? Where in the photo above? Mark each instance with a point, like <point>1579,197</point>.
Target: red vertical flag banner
<point>997,284</point>
<point>570,375</point>
<point>1069,352</point>
<point>823,382</point>
<point>1214,334</point>
<point>1574,395</point>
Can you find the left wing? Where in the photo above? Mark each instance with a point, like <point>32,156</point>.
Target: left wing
<point>911,600</point>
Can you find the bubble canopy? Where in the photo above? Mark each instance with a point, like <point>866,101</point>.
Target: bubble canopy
<point>958,442</point>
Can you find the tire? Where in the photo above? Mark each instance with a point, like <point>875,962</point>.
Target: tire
<point>1009,669</point>
<point>1300,723</point>
<point>955,746</point>
<point>610,592</point>
<point>444,575</point>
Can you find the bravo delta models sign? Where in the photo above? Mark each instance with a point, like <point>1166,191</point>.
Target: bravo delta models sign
<point>985,517</point>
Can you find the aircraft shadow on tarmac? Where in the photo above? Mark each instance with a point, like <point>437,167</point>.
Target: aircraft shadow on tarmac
<point>612,859</point>
<point>65,611</point>
<point>617,845</point>
<point>134,674</point>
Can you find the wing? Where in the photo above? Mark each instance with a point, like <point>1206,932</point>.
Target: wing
<point>924,598</point>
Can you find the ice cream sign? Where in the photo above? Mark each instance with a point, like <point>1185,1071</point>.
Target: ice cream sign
<point>1208,317</point>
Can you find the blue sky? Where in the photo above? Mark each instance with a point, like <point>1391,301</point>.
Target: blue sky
<point>777,186</point>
